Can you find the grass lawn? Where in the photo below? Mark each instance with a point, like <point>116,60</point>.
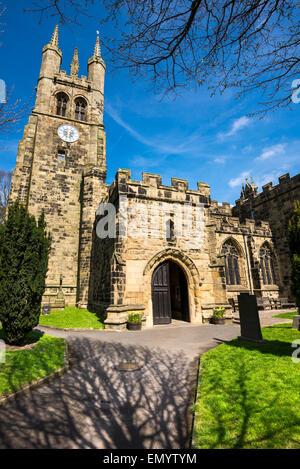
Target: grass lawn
<point>249,395</point>
<point>286,315</point>
<point>26,366</point>
<point>72,317</point>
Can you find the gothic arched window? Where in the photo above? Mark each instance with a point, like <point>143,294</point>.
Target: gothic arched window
<point>267,265</point>
<point>61,104</point>
<point>231,263</point>
<point>80,109</point>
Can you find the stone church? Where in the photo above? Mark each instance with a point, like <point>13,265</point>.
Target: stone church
<point>161,271</point>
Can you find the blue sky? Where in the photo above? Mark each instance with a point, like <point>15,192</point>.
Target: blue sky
<point>194,137</point>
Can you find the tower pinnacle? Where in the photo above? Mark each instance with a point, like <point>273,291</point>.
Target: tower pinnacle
<point>75,64</point>
<point>97,50</point>
<point>54,38</point>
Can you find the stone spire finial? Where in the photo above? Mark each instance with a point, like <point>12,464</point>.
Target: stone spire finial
<point>54,38</point>
<point>97,50</point>
<point>75,64</point>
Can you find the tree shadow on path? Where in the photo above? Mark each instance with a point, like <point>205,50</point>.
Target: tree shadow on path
<point>96,406</point>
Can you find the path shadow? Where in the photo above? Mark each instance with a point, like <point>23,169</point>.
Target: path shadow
<point>96,406</point>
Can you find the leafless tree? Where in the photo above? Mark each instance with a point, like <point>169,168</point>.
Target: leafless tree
<point>245,45</point>
<point>5,183</point>
<point>12,111</point>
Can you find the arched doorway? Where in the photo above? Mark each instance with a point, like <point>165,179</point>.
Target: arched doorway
<point>169,293</point>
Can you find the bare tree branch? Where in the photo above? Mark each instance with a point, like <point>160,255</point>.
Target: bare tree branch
<point>245,45</point>
<point>12,112</point>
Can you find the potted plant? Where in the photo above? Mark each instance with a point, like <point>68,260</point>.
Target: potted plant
<point>218,315</point>
<point>134,321</point>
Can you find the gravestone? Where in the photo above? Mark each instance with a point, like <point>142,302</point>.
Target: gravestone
<point>46,309</point>
<point>296,322</point>
<point>249,318</point>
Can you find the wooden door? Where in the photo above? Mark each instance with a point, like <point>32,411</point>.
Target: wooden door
<point>161,301</point>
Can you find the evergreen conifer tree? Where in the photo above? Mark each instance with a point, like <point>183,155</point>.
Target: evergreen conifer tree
<point>24,251</point>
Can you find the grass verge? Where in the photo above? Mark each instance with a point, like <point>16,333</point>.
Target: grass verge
<point>72,318</point>
<point>248,394</point>
<point>286,315</point>
<point>26,366</point>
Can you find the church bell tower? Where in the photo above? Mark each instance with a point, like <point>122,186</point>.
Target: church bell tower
<point>61,166</point>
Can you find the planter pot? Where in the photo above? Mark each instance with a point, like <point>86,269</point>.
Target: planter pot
<point>216,320</point>
<point>134,326</point>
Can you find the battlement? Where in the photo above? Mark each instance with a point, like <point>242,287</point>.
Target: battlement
<point>63,78</point>
<point>222,209</point>
<point>151,186</point>
<point>226,223</point>
<point>286,183</point>
<point>254,226</point>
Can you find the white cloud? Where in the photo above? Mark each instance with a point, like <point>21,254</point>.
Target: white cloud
<point>144,163</point>
<point>220,160</point>
<point>237,125</point>
<point>239,179</point>
<point>271,152</point>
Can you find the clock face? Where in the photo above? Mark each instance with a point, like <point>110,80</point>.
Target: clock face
<point>68,133</point>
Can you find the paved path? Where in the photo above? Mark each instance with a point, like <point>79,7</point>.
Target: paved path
<point>94,405</point>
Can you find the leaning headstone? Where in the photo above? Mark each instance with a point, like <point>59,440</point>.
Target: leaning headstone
<point>249,318</point>
<point>296,322</point>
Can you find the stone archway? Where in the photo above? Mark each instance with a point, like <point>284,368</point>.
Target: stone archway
<point>191,274</point>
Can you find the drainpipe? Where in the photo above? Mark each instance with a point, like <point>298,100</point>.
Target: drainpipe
<point>248,265</point>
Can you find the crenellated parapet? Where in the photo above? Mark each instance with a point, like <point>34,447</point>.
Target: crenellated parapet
<point>220,209</point>
<point>226,223</point>
<point>269,192</point>
<point>151,187</point>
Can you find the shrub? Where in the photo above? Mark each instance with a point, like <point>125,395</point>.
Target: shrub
<point>134,317</point>
<point>24,251</point>
<point>218,312</point>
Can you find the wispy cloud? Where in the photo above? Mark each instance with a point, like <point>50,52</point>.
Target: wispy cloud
<point>271,152</point>
<point>162,144</point>
<point>239,179</point>
<point>117,118</point>
<point>237,125</point>
<point>145,163</point>
<point>220,160</point>
<point>270,176</point>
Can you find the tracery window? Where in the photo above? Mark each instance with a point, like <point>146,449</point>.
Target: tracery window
<point>232,271</point>
<point>267,265</point>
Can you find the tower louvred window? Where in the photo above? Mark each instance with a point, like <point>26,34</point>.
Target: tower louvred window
<point>80,109</point>
<point>61,104</point>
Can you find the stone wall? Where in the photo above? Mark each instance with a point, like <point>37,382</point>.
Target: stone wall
<point>150,204</point>
<point>275,205</point>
